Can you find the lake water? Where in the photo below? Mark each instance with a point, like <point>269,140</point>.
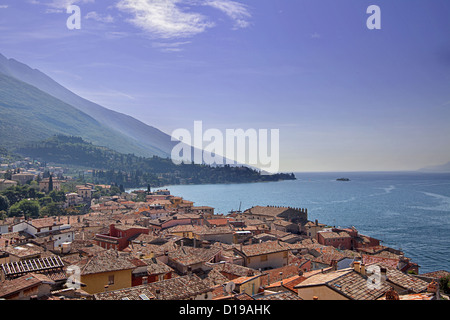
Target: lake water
<point>407,211</point>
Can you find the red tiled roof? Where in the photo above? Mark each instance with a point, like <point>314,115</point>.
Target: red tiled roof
<point>264,248</point>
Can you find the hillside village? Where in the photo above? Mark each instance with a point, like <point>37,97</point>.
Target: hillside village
<point>165,248</point>
<point>152,245</point>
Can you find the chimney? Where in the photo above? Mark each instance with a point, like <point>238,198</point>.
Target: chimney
<point>334,265</point>
<point>158,294</point>
<point>357,266</point>
<point>383,272</point>
<point>363,269</point>
<point>317,222</point>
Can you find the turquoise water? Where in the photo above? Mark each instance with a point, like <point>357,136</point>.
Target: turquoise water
<point>407,211</point>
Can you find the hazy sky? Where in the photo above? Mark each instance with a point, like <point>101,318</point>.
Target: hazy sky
<point>345,98</point>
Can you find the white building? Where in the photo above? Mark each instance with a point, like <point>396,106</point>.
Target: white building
<point>58,232</point>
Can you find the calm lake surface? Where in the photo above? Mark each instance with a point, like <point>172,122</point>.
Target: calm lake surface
<point>407,211</point>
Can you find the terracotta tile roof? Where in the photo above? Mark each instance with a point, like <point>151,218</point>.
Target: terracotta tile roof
<point>211,231</point>
<point>10,287</point>
<point>133,293</point>
<point>286,295</point>
<point>188,256</point>
<point>243,296</point>
<point>414,296</point>
<point>23,251</point>
<point>279,274</point>
<point>334,235</point>
<point>408,282</point>
<point>232,270</point>
<point>242,280</point>
<point>179,288</point>
<point>45,222</point>
<point>282,223</point>
<point>264,248</point>
<point>318,278</point>
<point>328,257</point>
<point>387,262</point>
<point>292,282</point>
<point>184,228</point>
<point>354,286</point>
<point>158,250</point>
<point>282,282</point>
<point>219,221</point>
<point>219,294</point>
<point>145,238</point>
<point>123,227</point>
<point>213,278</point>
<point>110,260</point>
<point>154,266</point>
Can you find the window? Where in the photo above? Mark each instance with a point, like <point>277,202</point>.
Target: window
<point>264,257</point>
<point>111,280</point>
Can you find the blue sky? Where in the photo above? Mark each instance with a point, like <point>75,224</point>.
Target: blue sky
<point>345,98</point>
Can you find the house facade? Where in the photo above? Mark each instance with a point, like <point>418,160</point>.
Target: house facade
<point>266,255</point>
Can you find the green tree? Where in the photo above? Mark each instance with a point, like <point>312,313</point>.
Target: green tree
<point>50,183</point>
<point>45,201</point>
<point>58,196</point>
<point>51,209</point>
<point>27,208</point>
<point>444,284</point>
<point>3,215</point>
<point>8,175</point>
<point>4,203</point>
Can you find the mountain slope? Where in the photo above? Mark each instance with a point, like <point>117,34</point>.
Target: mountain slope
<point>151,140</point>
<point>132,171</point>
<point>28,114</point>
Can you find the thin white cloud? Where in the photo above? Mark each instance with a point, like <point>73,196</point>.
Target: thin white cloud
<point>170,46</point>
<point>4,6</point>
<point>100,18</point>
<point>237,11</point>
<point>164,18</point>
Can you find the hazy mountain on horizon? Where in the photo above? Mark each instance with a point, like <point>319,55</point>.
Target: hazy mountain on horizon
<point>443,168</point>
<point>148,140</point>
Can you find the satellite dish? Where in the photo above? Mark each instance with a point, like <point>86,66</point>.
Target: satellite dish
<point>230,286</point>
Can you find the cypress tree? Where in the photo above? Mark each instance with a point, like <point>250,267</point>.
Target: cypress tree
<point>50,183</point>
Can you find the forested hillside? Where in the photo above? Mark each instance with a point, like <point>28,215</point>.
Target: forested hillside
<point>130,170</point>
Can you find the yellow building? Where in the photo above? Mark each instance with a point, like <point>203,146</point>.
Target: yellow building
<point>187,231</point>
<point>249,285</point>
<point>109,270</point>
